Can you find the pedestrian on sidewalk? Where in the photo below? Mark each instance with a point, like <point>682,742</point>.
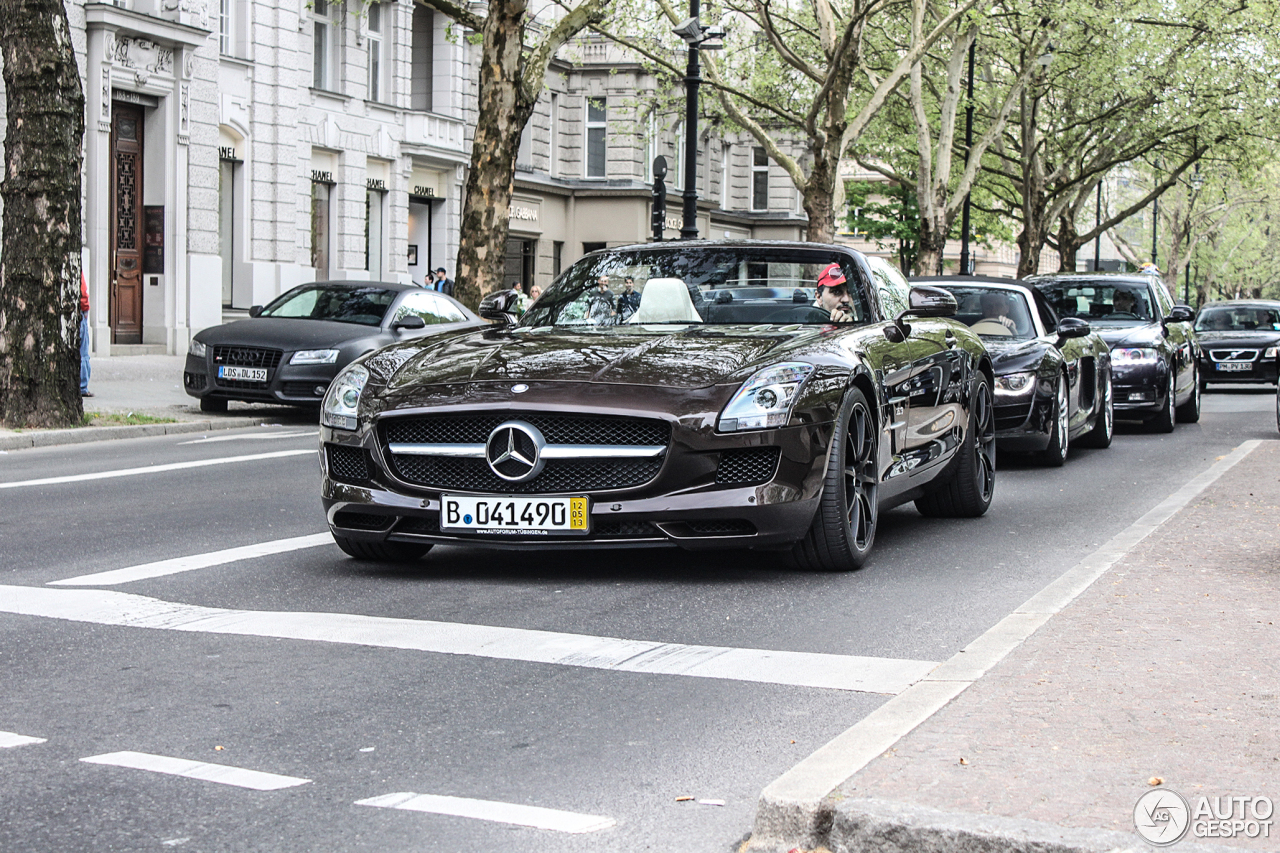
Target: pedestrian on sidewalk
<point>84,338</point>
<point>444,284</point>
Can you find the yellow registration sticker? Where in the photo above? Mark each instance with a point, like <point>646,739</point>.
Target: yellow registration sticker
<point>577,513</point>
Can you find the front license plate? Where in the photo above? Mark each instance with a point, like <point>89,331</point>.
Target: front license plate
<point>531,516</point>
<point>246,374</point>
<point>1235,367</point>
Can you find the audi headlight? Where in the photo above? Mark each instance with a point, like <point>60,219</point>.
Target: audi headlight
<point>1270,352</point>
<point>314,356</point>
<point>765,400</point>
<point>197,349</point>
<point>1133,354</point>
<point>1015,383</point>
<point>342,401</point>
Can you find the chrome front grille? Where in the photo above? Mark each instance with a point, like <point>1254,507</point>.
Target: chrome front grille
<point>245,357</point>
<point>1233,355</point>
<point>562,476</point>
<point>558,429</point>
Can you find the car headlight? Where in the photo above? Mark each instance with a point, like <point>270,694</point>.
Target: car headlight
<point>314,356</point>
<point>342,401</point>
<point>1270,352</point>
<point>197,349</point>
<point>765,400</point>
<point>1133,354</point>
<point>1015,383</point>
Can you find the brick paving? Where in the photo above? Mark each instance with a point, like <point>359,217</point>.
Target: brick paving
<point>1167,668</point>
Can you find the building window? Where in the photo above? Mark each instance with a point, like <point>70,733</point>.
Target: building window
<point>324,42</point>
<point>373,254</point>
<point>422,53</point>
<point>377,73</point>
<point>597,158</point>
<point>677,168</point>
<point>759,179</point>
<point>554,165</point>
<point>320,229</point>
<point>557,258</point>
<point>224,27</point>
<point>592,247</point>
<point>724,176</point>
<point>524,154</point>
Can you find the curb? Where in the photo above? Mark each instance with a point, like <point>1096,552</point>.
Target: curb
<point>799,809</point>
<point>83,435</point>
<point>888,827</point>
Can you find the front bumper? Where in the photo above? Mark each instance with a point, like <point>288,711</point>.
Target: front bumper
<point>702,496</point>
<point>1260,370</point>
<point>1024,421</point>
<point>294,385</point>
<point>1141,387</point>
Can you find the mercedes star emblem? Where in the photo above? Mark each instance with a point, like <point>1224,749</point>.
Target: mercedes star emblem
<point>514,451</point>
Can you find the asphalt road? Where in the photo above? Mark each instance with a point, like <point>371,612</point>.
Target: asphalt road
<point>339,718</point>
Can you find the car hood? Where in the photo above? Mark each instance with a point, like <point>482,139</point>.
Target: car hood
<point>1240,340</point>
<point>285,333</point>
<point>1015,356</point>
<point>685,357</point>
<point>1146,335</point>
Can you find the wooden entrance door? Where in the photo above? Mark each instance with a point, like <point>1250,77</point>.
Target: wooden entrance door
<point>125,309</point>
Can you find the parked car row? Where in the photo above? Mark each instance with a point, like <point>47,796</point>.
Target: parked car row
<point>773,396</point>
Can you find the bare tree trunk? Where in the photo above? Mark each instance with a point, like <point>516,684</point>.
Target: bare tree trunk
<point>1030,242</point>
<point>1068,242</point>
<point>930,245</point>
<point>40,259</point>
<point>819,201</point>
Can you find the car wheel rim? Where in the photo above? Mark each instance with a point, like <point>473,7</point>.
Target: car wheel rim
<point>1063,425</point>
<point>985,443</point>
<point>1108,409</point>
<point>860,482</point>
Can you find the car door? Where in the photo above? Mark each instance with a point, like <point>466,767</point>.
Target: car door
<point>1180,341</point>
<point>1078,359</point>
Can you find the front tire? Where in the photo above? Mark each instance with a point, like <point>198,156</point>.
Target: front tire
<point>380,552</point>
<point>844,527</point>
<point>971,484</point>
<point>1055,455</point>
<point>1165,421</point>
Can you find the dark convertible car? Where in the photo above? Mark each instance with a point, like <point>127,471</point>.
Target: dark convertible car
<point>1154,350</point>
<point>1239,341</point>
<point>758,396</point>
<point>1052,376</point>
<point>290,350</point>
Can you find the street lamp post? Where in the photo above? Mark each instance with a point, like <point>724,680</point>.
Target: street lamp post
<point>695,37</point>
<point>966,265</point>
<point>1097,224</point>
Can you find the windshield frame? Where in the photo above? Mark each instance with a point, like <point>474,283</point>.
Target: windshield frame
<point>1229,309</point>
<point>1053,289</point>
<point>352,290</point>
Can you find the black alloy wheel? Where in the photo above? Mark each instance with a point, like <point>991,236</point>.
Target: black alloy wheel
<point>844,527</point>
<point>1189,412</point>
<point>1055,455</point>
<point>971,483</point>
<point>381,552</point>
<point>1165,420</point>
<point>1104,422</point>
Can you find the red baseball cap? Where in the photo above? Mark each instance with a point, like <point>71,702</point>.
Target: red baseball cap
<point>832,276</point>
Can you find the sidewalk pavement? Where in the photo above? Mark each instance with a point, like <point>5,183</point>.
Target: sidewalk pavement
<point>149,385</point>
<point>1154,666</point>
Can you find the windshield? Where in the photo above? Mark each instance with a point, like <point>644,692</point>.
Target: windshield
<point>994,312</point>
<point>1100,301</point>
<point>365,306</point>
<point>1238,318</point>
<point>751,285</point>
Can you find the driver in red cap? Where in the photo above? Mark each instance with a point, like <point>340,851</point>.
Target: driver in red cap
<point>833,295</point>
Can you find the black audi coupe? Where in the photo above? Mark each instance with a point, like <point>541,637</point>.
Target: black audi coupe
<point>759,396</point>
<point>1154,350</point>
<point>1239,341</point>
<point>1052,376</point>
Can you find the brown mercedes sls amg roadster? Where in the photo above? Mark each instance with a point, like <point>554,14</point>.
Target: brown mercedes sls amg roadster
<point>691,394</point>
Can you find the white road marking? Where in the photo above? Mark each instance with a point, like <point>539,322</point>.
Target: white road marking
<point>210,439</point>
<point>154,469</point>
<point>196,561</point>
<point>220,773</point>
<point>9,740</point>
<point>788,806</point>
<point>799,669</point>
<point>491,810</point>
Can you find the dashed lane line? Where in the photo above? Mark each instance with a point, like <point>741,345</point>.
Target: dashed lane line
<point>8,740</point>
<point>799,669</point>
<point>178,565</point>
<point>155,469</point>
<point>491,810</point>
<point>223,774</point>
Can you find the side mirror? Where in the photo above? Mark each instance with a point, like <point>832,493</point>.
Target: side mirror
<point>1072,327</point>
<point>409,322</point>
<point>1180,314</point>
<point>255,310</point>
<point>922,301</point>
<point>501,306</point>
